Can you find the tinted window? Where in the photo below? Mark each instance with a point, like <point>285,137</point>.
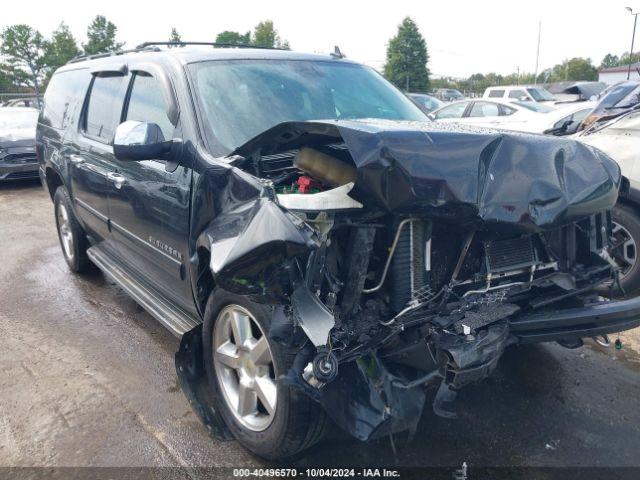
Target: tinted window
<point>506,111</point>
<point>519,94</point>
<point>452,111</point>
<point>496,93</point>
<point>484,109</point>
<point>63,95</point>
<point>146,104</point>
<point>103,107</point>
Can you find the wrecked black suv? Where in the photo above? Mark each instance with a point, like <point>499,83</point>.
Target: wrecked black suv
<point>321,248</point>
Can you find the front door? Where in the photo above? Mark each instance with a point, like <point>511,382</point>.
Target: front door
<point>149,208</point>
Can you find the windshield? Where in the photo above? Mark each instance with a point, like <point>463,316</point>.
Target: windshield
<point>12,120</point>
<point>535,107</point>
<point>240,99</point>
<point>540,95</point>
<point>621,95</point>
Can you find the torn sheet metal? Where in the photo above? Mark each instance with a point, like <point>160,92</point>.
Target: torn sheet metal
<point>311,314</point>
<point>471,175</point>
<point>249,235</point>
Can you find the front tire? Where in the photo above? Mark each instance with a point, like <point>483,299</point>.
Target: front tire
<point>272,420</point>
<point>626,232</point>
<point>73,239</point>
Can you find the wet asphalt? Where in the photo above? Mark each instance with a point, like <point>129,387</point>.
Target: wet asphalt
<point>87,379</point>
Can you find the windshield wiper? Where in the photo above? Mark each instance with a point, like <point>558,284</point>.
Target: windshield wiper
<point>632,105</point>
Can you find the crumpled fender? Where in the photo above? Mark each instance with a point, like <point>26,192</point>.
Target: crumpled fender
<point>249,236</point>
<point>460,173</point>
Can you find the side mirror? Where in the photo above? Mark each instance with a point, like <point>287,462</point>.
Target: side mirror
<point>136,141</point>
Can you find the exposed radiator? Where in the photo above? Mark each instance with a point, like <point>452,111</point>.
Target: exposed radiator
<point>511,254</point>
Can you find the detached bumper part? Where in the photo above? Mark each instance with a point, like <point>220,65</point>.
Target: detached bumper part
<point>597,319</point>
<point>367,400</point>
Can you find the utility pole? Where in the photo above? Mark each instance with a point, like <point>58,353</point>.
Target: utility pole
<point>633,37</point>
<point>535,78</point>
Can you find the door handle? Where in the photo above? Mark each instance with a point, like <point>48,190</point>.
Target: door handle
<point>76,159</point>
<point>117,179</point>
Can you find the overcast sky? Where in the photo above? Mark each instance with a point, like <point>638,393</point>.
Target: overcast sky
<point>463,37</point>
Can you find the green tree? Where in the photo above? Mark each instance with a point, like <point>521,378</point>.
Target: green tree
<point>101,35</point>
<point>12,79</point>
<point>625,58</point>
<point>25,48</point>
<point>609,61</point>
<point>265,35</point>
<point>61,48</point>
<point>175,37</point>
<point>407,58</point>
<point>234,38</point>
<point>575,69</point>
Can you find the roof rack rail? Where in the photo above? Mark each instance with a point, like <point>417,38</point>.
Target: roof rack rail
<point>154,47</point>
<point>82,58</point>
<point>213,44</point>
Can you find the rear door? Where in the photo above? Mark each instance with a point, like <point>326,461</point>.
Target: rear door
<point>91,154</point>
<point>149,209</point>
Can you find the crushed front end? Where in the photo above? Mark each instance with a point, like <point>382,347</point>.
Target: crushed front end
<point>400,256</point>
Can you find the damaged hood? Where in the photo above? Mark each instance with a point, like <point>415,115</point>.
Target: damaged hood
<point>461,173</point>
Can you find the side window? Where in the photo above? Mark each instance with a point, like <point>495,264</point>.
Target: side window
<point>64,93</point>
<point>484,109</point>
<point>103,108</point>
<point>559,123</point>
<point>506,111</point>
<point>146,104</point>
<point>581,115</point>
<point>496,93</point>
<point>452,111</point>
<point>518,94</point>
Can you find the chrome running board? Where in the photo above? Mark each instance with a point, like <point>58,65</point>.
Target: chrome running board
<point>174,318</point>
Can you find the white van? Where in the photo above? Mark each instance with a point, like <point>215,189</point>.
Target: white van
<point>519,93</point>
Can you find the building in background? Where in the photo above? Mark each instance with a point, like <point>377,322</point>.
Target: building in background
<point>614,75</point>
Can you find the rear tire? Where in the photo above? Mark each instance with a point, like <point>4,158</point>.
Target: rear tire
<point>626,231</point>
<point>73,239</point>
<point>296,422</point>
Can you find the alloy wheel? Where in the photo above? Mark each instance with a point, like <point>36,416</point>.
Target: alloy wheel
<point>625,250</point>
<point>64,230</point>
<point>244,368</point>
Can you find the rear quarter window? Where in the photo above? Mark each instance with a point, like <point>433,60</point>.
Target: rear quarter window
<point>496,93</point>
<point>63,98</point>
